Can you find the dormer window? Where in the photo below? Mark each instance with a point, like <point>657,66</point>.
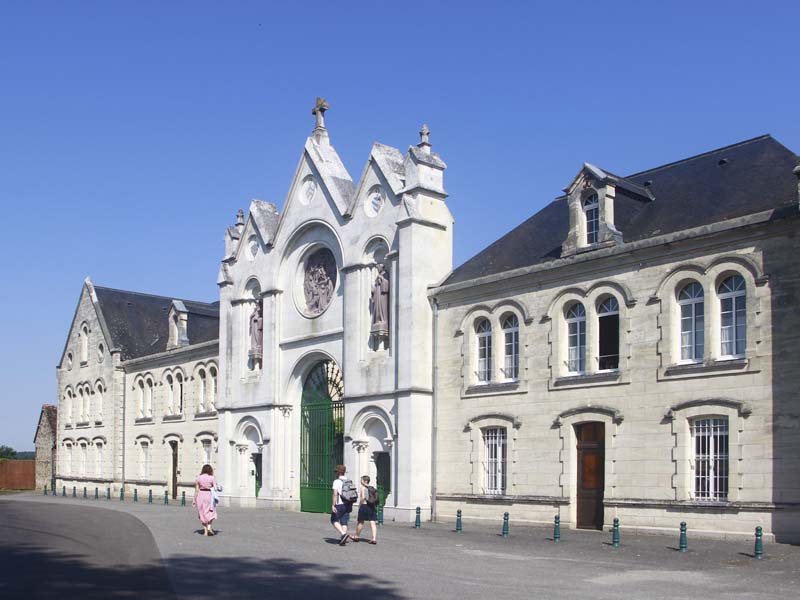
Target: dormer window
<point>591,210</point>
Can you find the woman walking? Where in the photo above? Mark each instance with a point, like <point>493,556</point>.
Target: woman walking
<point>203,498</point>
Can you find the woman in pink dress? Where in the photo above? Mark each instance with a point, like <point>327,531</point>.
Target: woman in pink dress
<point>206,510</point>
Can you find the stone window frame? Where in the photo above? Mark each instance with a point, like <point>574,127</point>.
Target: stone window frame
<point>504,331</point>
<point>83,343</point>
<point>100,389</point>
<point>474,428</point>
<point>83,444</point>
<point>69,401</point>
<point>145,466</point>
<point>590,201</point>
<point>680,417</point>
<point>495,314</point>
<point>69,445</point>
<point>709,276</point>
<point>100,443</point>
<point>141,383</point>
<point>734,296</point>
<point>206,436</point>
<point>590,298</point>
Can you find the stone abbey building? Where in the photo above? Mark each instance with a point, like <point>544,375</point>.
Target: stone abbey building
<point>628,351</point>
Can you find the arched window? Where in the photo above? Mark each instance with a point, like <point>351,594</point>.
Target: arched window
<point>148,398</point>
<point>212,402</point>
<point>81,405</point>
<point>483,331</point>
<point>99,403</point>
<point>732,316</point>
<point>201,391</point>
<point>68,402</point>
<point>591,208</point>
<point>511,347</point>
<point>68,460</point>
<point>170,395</point>
<point>494,443</point>
<point>84,459</point>
<point>179,393</point>
<point>98,458</point>
<point>84,337</point>
<point>87,402</point>
<point>576,338</point>
<point>608,330</point>
<point>141,399</point>
<point>692,307</point>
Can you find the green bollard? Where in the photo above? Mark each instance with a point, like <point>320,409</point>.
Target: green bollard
<point>96,493</point>
<point>84,493</point>
<point>166,497</point>
<point>459,528</point>
<point>135,494</point>
<point>149,496</point>
<point>183,498</point>
<point>108,493</point>
<point>380,514</point>
<point>74,492</point>
<point>615,534</point>
<point>45,490</point>
<point>122,494</point>
<point>682,545</point>
<point>63,491</point>
<point>759,549</point>
<point>417,520</point>
<point>505,524</point>
<point>557,529</point>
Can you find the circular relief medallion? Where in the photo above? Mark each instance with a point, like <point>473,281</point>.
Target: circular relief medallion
<point>374,202</point>
<point>319,281</point>
<point>307,189</point>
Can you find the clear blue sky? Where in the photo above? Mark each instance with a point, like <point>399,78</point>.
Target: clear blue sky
<point>130,133</point>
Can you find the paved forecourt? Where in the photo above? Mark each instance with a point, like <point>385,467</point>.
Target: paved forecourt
<point>261,552</point>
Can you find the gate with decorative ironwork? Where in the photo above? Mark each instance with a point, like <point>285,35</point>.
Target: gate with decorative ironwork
<point>321,435</point>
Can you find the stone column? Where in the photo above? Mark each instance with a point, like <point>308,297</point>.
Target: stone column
<point>361,463</point>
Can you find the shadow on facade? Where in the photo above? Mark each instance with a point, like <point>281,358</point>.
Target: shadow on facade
<point>781,257</point>
<point>39,573</point>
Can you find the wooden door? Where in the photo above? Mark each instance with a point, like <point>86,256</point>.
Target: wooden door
<point>174,446</point>
<point>591,474</point>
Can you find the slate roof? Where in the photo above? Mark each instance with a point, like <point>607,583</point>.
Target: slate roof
<point>745,178</point>
<point>138,323</point>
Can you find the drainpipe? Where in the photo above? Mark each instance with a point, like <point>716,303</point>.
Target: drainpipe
<point>433,407</point>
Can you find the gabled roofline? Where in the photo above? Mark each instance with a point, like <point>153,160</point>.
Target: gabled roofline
<point>89,287</point>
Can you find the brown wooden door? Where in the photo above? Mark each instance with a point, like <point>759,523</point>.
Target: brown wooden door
<point>174,469</point>
<point>591,474</point>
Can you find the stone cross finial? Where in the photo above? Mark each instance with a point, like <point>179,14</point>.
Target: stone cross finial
<point>424,135</point>
<point>319,112</point>
<point>240,217</point>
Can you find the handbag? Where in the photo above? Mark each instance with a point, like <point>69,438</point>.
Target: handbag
<point>215,495</point>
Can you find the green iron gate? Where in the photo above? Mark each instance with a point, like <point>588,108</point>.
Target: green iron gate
<point>321,435</point>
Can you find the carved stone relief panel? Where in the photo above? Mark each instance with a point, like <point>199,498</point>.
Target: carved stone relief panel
<point>319,281</point>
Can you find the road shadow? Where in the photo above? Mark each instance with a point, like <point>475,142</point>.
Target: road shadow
<point>35,573</point>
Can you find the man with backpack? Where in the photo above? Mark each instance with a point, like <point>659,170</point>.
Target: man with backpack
<point>342,499</point>
<point>367,510</point>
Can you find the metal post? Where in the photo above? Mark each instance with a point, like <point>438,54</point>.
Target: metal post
<point>682,545</point>
<point>759,549</point>
<point>557,529</point>
<point>135,494</point>
<point>615,534</point>
<point>122,494</point>
<point>84,492</point>
<point>74,492</point>
<point>417,520</point>
<point>108,493</point>
<point>183,498</point>
<point>505,524</point>
<point>149,496</point>
<point>63,491</point>
<point>380,514</point>
<point>459,527</point>
<point>45,490</point>
<point>166,497</point>
<point>97,493</point>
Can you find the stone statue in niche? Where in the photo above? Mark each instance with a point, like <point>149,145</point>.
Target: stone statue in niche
<point>319,281</point>
<point>256,336</point>
<point>379,304</point>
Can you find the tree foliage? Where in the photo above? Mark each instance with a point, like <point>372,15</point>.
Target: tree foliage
<point>8,452</point>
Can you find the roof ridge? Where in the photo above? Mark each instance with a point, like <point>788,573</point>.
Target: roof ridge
<point>110,289</point>
<point>702,154</point>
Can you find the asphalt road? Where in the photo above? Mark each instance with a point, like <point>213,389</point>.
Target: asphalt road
<point>265,554</point>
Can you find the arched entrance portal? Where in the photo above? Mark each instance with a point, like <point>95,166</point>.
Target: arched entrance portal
<point>321,434</point>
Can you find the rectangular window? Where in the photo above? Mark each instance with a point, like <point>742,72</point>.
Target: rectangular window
<point>609,342</point>
<point>206,452</point>
<point>692,324</point>
<point>576,361</point>
<point>592,224</point>
<point>494,441</point>
<point>511,367</point>
<point>484,358</point>
<point>732,330</point>
<point>710,458</point>
<point>145,465</point>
